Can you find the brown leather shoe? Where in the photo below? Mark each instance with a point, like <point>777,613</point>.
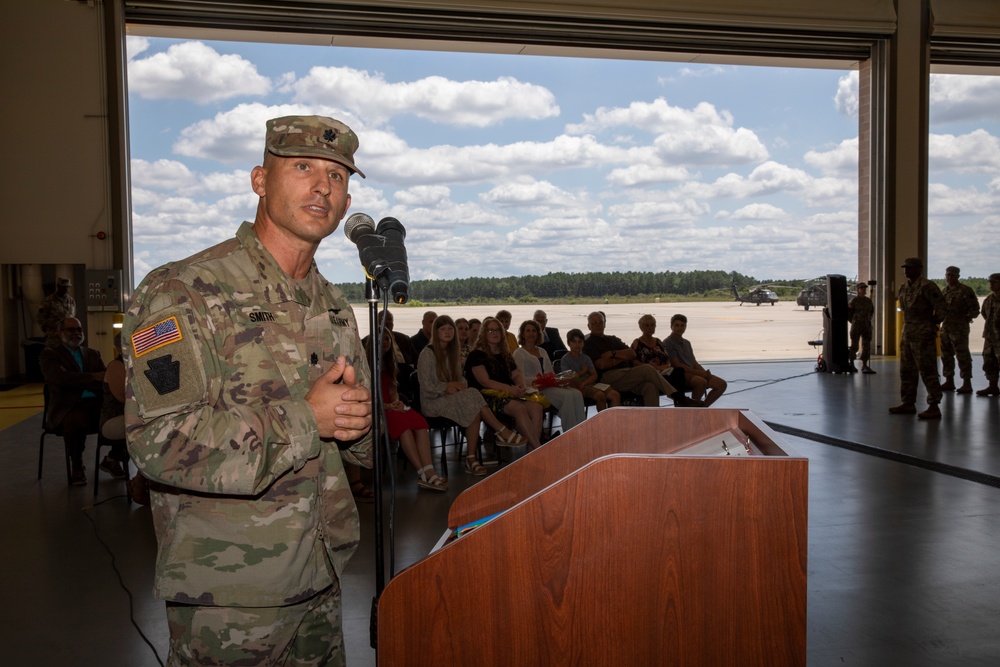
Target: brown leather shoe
<point>948,385</point>
<point>903,409</point>
<point>932,412</point>
<point>966,388</point>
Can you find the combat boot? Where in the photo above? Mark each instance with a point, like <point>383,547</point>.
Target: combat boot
<point>966,387</point>
<point>903,409</point>
<point>992,390</point>
<point>948,385</point>
<point>932,412</point>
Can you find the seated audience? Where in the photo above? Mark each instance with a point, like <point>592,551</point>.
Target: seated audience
<point>405,424</point>
<point>74,374</point>
<point>505,318</point>
<point>682,356</point>
<point>420,339</point>
<point>551,342</point>
<point>586,374</point>
<point>404,348</point>
<point>112,421</point>
<point>464,345</point>
<point>613,360</point>
<point>492,371</point>
<point>474,326</point>
<point>444,393</point>
<point>532,361</point>
<point>649,350</point>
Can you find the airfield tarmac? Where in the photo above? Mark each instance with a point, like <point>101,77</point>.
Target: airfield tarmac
<point>718,331</point>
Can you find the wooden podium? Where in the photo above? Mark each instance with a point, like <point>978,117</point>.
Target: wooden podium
<point>615,546</point>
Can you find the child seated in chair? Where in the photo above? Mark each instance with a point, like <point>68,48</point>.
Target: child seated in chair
<point>586,374</point>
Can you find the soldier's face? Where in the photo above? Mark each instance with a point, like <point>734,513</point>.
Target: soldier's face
<point>911,272</point>
<point>305,197</point>
<point>951,278</point>
<point>995,286</point>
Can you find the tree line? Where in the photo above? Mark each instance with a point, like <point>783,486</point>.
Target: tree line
<point>567,286</point>
<point>562,286</point>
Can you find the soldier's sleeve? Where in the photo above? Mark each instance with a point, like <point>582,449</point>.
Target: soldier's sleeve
<point>973,311</point>
<point>193,420</point>
<point>937,301</point>
<point>358,452</point>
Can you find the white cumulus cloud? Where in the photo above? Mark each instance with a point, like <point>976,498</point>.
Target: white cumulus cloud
<point>196,72</point>
<point>435,98</point>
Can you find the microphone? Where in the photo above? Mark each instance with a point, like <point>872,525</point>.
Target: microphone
<point>358,225</point>
<point>399,273</point>
<point>384,259</point>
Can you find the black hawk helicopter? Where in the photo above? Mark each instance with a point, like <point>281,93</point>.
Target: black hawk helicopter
<point>757,295</point>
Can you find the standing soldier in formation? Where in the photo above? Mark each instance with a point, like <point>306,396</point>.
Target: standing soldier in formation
<point>54,310</point>
<point>860,312</point>
<point>991,336</point>
<point>963,308</point>
<point>923,307</point>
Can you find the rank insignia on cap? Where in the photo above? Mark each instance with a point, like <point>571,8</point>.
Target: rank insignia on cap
<point>329,135</point>
<point>154,337</point>
<point>164,374</point>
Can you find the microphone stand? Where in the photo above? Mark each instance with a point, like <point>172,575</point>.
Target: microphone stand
<point>375,364</point>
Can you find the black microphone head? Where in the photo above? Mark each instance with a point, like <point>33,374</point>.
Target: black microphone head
<point>358,225</point>
<point>390,227</point>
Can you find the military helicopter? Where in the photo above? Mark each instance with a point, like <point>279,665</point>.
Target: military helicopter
<point>812,295</point>
<point>757,295</point>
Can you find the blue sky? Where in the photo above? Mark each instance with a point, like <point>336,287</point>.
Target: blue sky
<point>513,165</point>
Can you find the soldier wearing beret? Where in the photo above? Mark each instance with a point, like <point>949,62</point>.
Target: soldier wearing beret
<point>923,308</point>
<point>991,337</point>
<point>963,308</point>
<point>248,389</point>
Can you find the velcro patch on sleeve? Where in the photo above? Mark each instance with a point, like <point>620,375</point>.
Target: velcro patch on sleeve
<point>163,333</point>
<point>173,378</point>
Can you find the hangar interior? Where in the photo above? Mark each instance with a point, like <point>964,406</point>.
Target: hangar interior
<point>901,565</point>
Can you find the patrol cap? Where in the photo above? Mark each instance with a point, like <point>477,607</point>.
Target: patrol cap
<point>862,285</point>
<point>312,136</point>
<point>64,282</point>
<point>953,269</point>
<point>913,261</point>
<point>994,276</point>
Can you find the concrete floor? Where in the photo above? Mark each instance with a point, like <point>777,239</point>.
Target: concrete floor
<point>902,543</point>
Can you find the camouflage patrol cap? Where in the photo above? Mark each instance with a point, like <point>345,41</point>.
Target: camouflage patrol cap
<point>312,136</point>
<point>64,282</point>
<point>913,261</point>
<point>953,269</point>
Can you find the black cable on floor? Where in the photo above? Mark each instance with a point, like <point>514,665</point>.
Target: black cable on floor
<point>765,383</point>
<point>121,582</point>
<point>898,457</point>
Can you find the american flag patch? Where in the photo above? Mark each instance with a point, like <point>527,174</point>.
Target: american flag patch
<point>151,338</point>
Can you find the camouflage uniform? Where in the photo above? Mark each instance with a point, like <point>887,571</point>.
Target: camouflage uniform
<point>991,338</point>
<point>251,508</point>
<point>963,308</point>
<point>860,312</point>
<point>923,307</point>
<point>51,315</point>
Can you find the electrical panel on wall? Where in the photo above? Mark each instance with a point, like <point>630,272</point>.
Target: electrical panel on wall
<point>104,290</point>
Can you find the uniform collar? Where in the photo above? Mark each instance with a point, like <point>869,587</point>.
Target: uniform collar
<point>275,284</point>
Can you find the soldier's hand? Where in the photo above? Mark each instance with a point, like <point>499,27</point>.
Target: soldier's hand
<point>342,407</point>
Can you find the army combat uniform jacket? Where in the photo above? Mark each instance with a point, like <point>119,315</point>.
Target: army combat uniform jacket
<point>923,308</point>
<point>963,308</point>
<point>250,506</point>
